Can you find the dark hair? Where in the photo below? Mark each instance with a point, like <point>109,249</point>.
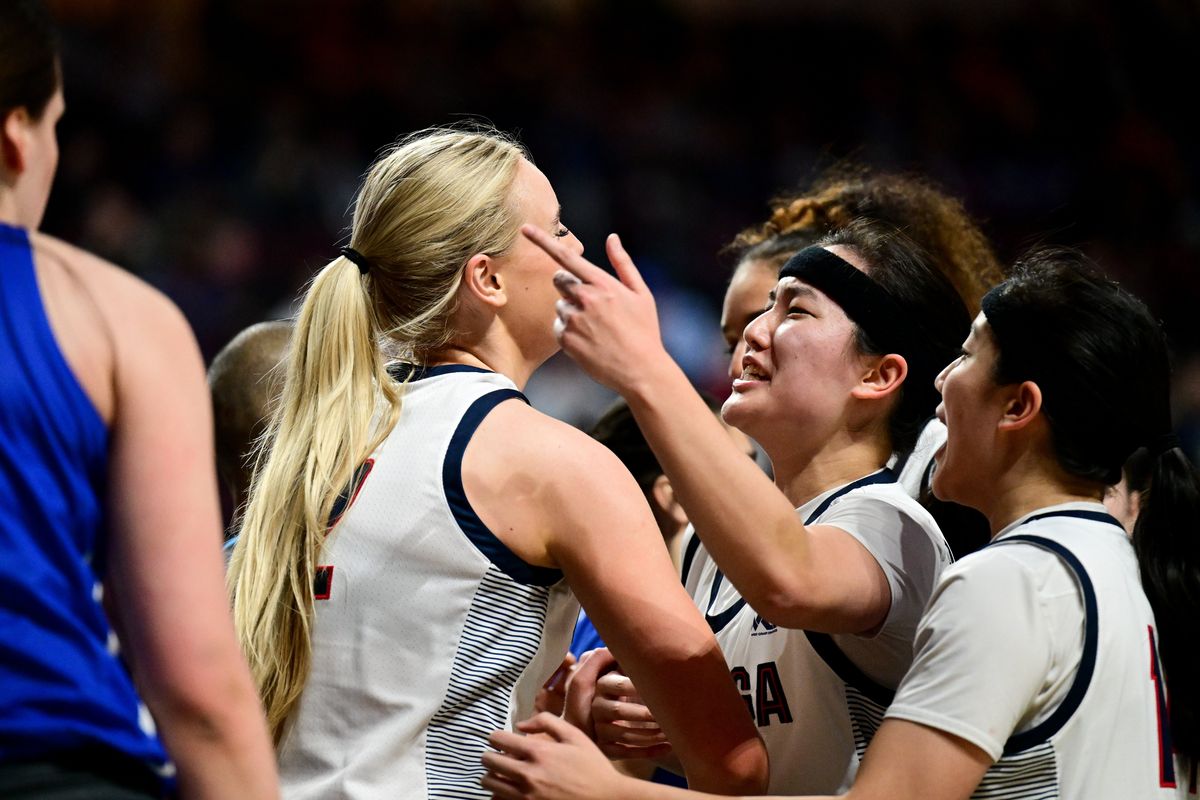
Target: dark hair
<point>952,240</point>
<point>935,313</point>
<point>1101,362</point>
<point>619,432</point>
<point>29,66</point>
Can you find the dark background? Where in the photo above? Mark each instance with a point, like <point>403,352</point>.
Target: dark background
<point>213,147</point>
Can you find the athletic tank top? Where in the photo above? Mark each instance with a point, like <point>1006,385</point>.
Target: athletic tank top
<point>63,686</point>
<point>429,632</point>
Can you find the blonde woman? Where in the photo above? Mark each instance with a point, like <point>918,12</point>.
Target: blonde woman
<point>388,644</point>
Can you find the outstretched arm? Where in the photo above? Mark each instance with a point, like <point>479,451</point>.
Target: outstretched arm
<point>564,500</point>
<point>165,578</point>
<point>819,578</point>
<point>905,761</point>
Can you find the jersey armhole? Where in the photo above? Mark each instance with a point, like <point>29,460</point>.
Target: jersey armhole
<point>486,542</point>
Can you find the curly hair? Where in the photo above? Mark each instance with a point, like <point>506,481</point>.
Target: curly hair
<point>919,209</point>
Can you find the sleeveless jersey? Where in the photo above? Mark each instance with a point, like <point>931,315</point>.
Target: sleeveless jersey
<point>62,684</point>
<point>429,632</point>
<point>818,699</point>
<point>1041,650</point>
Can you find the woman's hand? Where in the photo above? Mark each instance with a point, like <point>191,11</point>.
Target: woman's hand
<point>560,763</point>
<point>608,325</point>
<point>553,694</point>
<point>624,726</point>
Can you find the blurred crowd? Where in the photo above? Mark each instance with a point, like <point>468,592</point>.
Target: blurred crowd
<point>213,146</point>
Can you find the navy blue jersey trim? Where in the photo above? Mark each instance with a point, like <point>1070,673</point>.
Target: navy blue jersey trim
<point>717,622</point>
<point>822,643</point>
<point>476,531</point>
<point>415,372</point>
<point>689,555</point>
<point>1091,636</point>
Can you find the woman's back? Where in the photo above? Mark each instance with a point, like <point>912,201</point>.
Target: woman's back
<point>429,633</point>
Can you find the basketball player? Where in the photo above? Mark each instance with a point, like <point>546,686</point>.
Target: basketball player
<point>934,220</point>
<point>387,645</point>
<point>1047,662</point>
<point>813,585</point>
<point>107,503</point>
<point>245,379</point>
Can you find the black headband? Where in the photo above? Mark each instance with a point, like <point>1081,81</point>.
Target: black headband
<point>357,258</point>
<point>865,302</point>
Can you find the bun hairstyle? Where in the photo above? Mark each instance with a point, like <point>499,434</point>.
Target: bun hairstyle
<point>1101,362</point>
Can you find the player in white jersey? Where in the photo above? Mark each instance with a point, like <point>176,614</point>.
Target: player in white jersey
<point>1059,661</point>
<point>813,584</point>
<point>400,583</point>
<point>934,220</point>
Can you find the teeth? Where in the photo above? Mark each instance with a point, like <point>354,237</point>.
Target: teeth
<point>752,374</point>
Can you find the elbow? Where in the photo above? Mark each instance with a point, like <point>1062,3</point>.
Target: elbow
<point>787,603</point>
<point>746,771</point>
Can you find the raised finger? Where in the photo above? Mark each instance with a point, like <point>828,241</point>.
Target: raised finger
<point>626,271</point>
<point>577,265</point>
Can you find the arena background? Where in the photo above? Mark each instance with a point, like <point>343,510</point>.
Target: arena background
<point>213,147</point>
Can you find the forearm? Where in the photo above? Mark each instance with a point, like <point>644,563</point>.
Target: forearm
<point>220,746</point>
<point>746,523</point>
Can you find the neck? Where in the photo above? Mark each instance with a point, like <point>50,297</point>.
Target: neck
<point>507,361</point>
<point>841,459</point>
<point>10,213</point>
<point>1027,488</point>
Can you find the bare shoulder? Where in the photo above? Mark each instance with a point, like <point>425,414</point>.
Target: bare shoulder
<point>557,452</point>
<point>126,301</point>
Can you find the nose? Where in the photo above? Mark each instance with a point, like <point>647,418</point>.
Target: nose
<point>576,245</point>
<point>940,380</point>
<point>757,336</point>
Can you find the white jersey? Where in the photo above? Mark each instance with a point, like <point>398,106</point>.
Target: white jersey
<point>1041,651</point>
<point>430,633</point>
<point>818,699</point>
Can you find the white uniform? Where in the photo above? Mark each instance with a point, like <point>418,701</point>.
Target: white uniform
<point>429,632</point>
<point>818,699</point>
<point>1041,650</point>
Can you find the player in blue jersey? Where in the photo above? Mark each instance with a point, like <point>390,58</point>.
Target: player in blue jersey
<point>1059,661</point>
<point>108,508</point>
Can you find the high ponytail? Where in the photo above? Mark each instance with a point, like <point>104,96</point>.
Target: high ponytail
<point>1167,540</point>
<point>321,431</point>
<point>425,208</point>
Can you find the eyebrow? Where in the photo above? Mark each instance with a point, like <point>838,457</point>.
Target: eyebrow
<point>793,290</point>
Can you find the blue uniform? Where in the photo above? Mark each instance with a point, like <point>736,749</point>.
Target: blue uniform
<point>63,687</point>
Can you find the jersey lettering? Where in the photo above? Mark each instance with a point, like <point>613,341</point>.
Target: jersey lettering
<point>765,697</point>
<point>1166,759</point>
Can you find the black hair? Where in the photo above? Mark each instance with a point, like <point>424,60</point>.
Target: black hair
<point>938,319</point>
<point>619,432</point>
<point>29,65</point>
<point>1101,362</point>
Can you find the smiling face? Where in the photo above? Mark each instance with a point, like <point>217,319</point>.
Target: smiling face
<point>526,270</point>
<point>745,299</point>
<point>799,367</point>
<point>972,407</point>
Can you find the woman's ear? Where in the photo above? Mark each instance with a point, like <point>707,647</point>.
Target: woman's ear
<point>664,497</point>
<point>883,378</point>
<point>1023,404</point>
<point>481,280</point>
<point>15,136</point>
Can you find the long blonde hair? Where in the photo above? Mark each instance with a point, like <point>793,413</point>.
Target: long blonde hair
<point>426,206</point>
